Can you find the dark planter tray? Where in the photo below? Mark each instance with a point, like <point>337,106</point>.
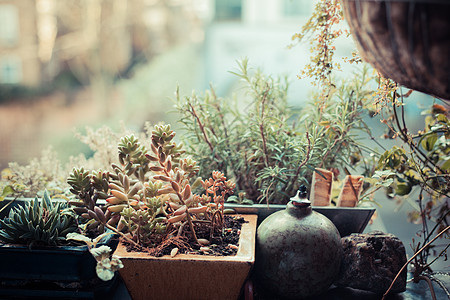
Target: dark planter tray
<point>6,202</point>
<point>98,290</point>
<point>62,263</point>
<point>347,220</point>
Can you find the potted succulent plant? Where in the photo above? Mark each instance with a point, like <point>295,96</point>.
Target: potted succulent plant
<point>150,201</point>
<point>37,256</point>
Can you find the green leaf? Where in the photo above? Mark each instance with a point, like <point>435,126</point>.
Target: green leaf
<point>7,190</point>
<point>247,201</point>
<point>23,216</point>
<point>413,174</point>
<point>442,118</point>
<point>446,165</point>
<point>403,188</point>
<point>6,237</point>
<point>386,183</point>
<point>428,141</point>
<point>371,180</point>
<point>233,199</point>
<point>46,201</point>
<point>79,237</point>
<point>34,211</point>
<point>383,174</point>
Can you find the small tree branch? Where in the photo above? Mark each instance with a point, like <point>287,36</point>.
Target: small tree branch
<point>301,165</point>
<point>200,125</point>
<point>411,259</point>
<point>261,129</point>
<point>430,285</point>
<point>403,134</point>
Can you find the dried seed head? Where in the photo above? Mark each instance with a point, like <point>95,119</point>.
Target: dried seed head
<point>174,252</point>
<point>203,242</point>
<point>205,249</point>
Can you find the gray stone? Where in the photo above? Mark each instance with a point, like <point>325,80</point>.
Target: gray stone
<point>371,261</point>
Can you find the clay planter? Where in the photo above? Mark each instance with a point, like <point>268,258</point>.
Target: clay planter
<point>407,41</point>
<point>347,220</point>
<point>190,276</point>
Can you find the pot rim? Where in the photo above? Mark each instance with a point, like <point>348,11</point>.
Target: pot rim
<point>246,250</point>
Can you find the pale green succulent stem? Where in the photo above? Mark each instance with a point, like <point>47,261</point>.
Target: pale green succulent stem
<point>188,217</point>
<point>122,235</point>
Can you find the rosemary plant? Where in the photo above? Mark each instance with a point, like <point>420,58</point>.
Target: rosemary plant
<point>268,147</point>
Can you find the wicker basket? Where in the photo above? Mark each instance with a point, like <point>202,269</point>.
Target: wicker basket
<point>407,41</point>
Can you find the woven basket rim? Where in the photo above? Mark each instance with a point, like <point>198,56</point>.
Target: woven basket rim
<point>405,1</point>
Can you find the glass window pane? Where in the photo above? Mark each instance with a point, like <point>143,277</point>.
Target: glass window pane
<point>9,25</point>
<point>228,10</point>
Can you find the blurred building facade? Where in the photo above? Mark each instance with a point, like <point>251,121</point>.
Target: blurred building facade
<point>96,43</point>
<point>47,47</point>
<point>40,39</point>
<point>19,63</point>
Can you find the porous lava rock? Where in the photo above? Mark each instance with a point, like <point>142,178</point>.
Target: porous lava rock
<point>371,261</point>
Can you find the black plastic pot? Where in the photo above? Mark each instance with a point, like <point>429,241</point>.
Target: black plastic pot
<point>347,220</point>
<point>8,204</point>
<point>64,263</point>
<point>41,271</point>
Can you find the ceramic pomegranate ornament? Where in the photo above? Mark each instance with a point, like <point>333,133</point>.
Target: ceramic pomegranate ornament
<point>298,252</point>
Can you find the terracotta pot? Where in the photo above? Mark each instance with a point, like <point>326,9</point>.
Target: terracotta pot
<point>407,41</point>
<point>190,276</point>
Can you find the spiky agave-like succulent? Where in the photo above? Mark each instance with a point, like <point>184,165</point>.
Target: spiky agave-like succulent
<point>38,221</point>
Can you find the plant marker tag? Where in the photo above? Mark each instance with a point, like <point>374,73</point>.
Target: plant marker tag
<point>349,195</point>
<point>321,187</point>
